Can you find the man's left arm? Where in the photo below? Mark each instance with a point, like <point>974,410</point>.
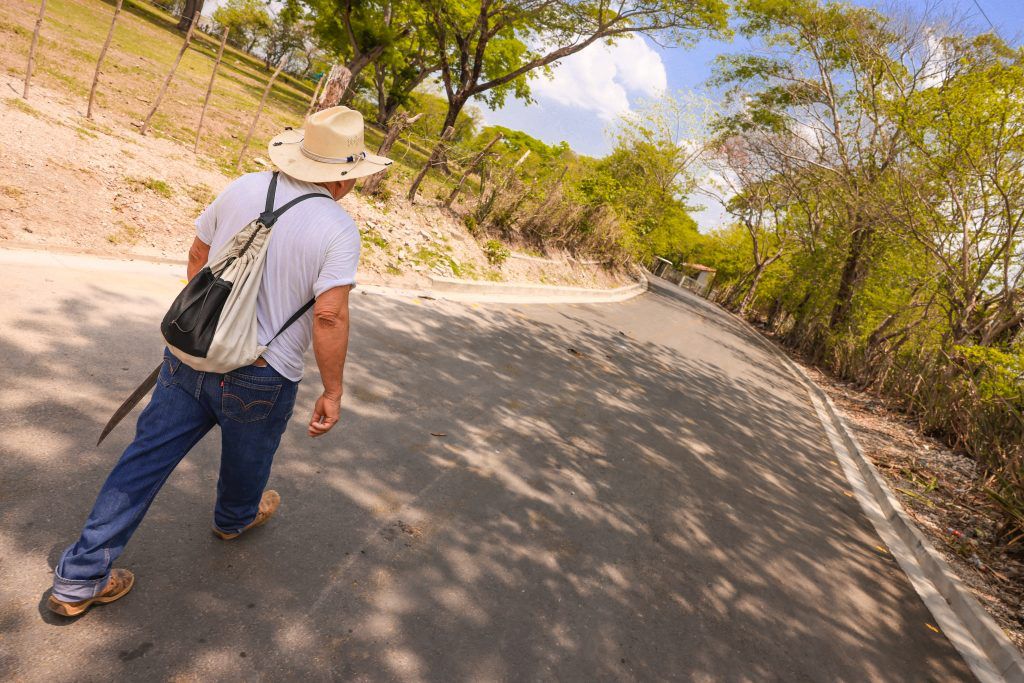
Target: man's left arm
<point>198,255</point>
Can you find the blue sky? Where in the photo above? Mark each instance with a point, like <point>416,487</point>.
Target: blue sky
<point>562,114</point>
<point>589,89</point>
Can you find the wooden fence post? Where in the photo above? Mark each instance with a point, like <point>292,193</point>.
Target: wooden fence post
<point>209,88</point>
<point>32,50</point>
<point>469,169</point>
<point>334,89</point>
<point>263,101</point>
<point>99,62</point>
<point>435,155</point>
<point>167,81</point>
<point>399,123</point>
<point>316,93</point>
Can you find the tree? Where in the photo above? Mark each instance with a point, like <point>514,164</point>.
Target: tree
<point>359,32</point>
<point>248,21</point>
<point>290,32</point>
<point>397,73</point>
<point>488,49</point>
<point>825,90</point>
<point>961,194</point>
<point>188,11</point>
<point>648,174</point>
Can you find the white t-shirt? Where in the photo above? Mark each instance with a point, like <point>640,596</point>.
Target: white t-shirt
<point>314,247</point>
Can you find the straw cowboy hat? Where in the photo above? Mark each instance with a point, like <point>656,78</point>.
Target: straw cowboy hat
<point>330,147</point>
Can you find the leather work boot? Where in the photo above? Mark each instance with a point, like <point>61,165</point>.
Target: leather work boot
<point>120,582</point>
<point>268,506</point>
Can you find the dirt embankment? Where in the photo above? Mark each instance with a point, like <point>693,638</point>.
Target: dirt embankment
<point>70,183</point>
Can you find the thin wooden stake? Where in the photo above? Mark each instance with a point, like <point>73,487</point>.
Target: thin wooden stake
<point>435,156</point>
<point>209,88</point>
<point>99,62</point>
<point>469,169</point>
<point>167,81</point>
<point>32,50</point>
<point>316,93</point>
<point>399,122</point>
<point>263,101</point>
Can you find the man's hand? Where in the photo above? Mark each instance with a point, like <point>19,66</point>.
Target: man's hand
<point>325,415</point>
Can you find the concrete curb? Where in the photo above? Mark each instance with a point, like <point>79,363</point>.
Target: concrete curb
<point>974,633</point>
<point>989,653</point>
<point>465,291</point>
<point>511,292</point>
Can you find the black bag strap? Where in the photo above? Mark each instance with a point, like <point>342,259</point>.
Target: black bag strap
<point>270,215</point>
<point>271,192</point>
<point>295,316</point>
<point>268,218</point>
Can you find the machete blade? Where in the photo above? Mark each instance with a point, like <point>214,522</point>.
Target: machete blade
<point>130,402</point>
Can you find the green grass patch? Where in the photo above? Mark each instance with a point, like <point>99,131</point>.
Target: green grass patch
<point>127,233</point>
<point>374,238</point>
<point>25,108</point>
<point>154,185</point>
<point>200,193</point>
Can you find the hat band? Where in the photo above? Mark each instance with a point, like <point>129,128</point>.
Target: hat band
<point>331,160</point>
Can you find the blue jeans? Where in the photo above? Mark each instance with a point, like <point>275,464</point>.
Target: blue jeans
<point>252,405</point>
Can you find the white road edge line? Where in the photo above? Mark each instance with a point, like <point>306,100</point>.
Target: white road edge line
<point>989,653</point>
<point>986,649</point>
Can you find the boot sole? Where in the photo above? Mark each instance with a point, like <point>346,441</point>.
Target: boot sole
<point>65,609</point>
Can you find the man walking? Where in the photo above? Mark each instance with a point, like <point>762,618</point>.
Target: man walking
<point>313,253</point>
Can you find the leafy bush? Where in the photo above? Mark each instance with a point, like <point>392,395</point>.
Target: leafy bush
<point>496,252</point>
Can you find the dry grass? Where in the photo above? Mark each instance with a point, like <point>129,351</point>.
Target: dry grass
<point>143,48</point>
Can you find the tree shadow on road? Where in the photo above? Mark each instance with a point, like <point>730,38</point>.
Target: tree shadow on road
<point>516,493</point>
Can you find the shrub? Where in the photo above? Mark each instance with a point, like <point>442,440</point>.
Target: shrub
<point>496,252</point>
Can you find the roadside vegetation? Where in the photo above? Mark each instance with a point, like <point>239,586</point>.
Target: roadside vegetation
<point>872,168</point>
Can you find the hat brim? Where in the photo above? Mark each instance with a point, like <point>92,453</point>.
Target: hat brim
<point>285,151</point>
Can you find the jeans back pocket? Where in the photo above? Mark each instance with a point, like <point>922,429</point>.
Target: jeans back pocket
<point>244,401</point>
<point>169,367</point>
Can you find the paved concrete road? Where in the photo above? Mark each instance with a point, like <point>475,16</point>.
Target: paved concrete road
<point>633,491</point>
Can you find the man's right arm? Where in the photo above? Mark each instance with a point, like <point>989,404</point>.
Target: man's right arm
<point>198,255</point>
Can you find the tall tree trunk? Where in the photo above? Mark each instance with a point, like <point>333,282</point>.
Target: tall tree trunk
<point>853,273</point>
<point>452,115</point>
<point>191,8</point>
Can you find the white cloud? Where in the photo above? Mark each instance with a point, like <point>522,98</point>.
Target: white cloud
<point>600,78</point>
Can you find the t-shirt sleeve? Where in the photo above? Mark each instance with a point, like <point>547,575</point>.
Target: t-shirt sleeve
<point>340,261</point>
<point>206,224</point>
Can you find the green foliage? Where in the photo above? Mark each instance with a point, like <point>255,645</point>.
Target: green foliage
<point>433,110</point>
<point>154,185</point>
<point>877,187</point>
<point>247,20</point>
<point>496,252</point>
<point>648,175</point>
